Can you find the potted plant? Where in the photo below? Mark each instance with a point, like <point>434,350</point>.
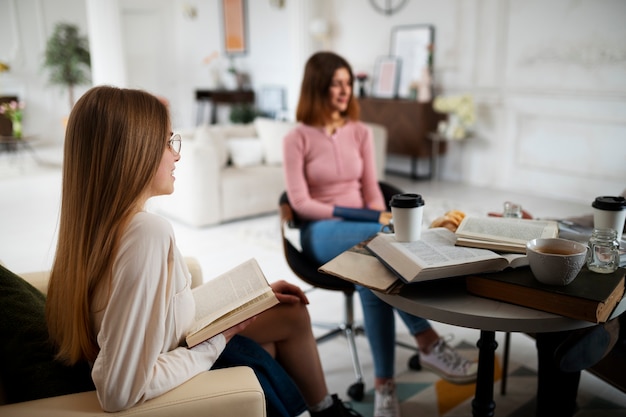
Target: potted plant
<point>67,58</point>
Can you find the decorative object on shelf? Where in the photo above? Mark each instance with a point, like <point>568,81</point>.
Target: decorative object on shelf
<point>414,46</point>
<point>234,27</point>
<point>386,75</point>
<point>461,116</point>
<point>13,112</point>
<point>234,79</point>
<point>425,87</point>
<point>67,58</point>
<point>361,77</point>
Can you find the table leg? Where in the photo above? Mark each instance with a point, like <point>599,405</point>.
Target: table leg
<point>434,156</point>
<point>483,404</point>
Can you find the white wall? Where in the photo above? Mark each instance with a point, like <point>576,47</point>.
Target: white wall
<point>549,78</point>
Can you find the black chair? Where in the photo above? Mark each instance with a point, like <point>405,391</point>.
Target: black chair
<point>307,270</point>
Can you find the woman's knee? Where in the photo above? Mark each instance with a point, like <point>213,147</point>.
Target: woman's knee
<point>296,315</point>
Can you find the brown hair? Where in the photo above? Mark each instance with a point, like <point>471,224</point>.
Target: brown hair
<point>114,143</point>
<point>313,107</point>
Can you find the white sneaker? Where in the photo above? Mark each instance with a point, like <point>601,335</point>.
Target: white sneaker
<point>449,364</point>
<point>386,402</point>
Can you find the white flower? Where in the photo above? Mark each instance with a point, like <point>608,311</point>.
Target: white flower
<point>461,115</point>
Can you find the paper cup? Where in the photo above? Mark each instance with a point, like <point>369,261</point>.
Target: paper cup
<point>609,213</point>
<point>407,211</point>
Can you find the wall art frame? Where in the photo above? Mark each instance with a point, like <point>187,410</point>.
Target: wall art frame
<point>414,46</point>
<point>235,27</point>
<point>386,76</point>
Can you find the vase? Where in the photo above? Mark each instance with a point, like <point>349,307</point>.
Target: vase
<point>17,129</point>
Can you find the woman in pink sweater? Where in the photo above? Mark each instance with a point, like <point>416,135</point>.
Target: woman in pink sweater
<point>331,184</point>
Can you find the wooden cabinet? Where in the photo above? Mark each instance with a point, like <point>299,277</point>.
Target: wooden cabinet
<point>216,97</point>
<point>408,124</point>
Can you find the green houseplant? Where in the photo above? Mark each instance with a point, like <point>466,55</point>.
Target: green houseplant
<point>67,58</point>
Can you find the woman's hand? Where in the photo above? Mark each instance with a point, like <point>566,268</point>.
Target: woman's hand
<point>289,293</point>
<point>229,333</point>
<point>385,217</point>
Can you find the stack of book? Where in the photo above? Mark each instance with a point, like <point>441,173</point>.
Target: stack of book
<point>500,272</point>
<point>591,296</point>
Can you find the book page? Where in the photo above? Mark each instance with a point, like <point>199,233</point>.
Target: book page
<point>500,229</point>
<point>238,286</point>
<point>434,256</point>
<point>436,249</point>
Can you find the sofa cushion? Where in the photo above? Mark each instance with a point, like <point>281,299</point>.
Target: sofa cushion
<point>245,152</point>
<point>205,136</point>
<point>271,132</point>
<point>27,367</point>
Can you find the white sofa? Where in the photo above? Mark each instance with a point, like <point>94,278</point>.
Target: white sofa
<point>222,392</point>
<point>229,172</point>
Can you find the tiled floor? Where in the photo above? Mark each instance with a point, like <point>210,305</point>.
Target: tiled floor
<point>29,202</point>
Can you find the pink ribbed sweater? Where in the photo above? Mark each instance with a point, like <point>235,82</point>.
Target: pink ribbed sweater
<point>323,171</point>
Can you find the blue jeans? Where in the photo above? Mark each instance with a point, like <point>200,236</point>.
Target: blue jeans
<point>325,239</point>
<point>282,396</point>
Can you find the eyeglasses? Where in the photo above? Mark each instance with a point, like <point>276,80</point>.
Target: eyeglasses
<point>175,143</point>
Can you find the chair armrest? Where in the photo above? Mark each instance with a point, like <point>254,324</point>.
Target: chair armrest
<point>221,392</point>
<point>40,279</point>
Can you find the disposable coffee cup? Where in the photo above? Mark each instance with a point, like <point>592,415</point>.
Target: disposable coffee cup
<point>609,213</point>
<point>407,211</point>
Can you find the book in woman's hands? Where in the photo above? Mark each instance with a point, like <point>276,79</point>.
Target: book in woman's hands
<point>503,234</point>
<point>435,256</point>
<point>229,299</point>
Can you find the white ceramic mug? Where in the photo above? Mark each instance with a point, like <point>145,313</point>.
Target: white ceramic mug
<point>609,213</point>
<point>407,211</point>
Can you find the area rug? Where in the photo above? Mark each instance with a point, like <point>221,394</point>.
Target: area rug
<point>424,394</point>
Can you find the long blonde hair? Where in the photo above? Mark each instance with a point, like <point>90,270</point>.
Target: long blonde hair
<point>114,143</point>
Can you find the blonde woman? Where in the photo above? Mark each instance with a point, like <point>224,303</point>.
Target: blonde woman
<point>120,296</point>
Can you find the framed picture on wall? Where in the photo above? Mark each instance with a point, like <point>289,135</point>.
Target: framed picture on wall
<point>386,76</point>
<point>234,27</point>
<point>414,46</point>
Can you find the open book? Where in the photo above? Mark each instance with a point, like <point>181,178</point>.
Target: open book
<point>503,234</point>
<point>229,299</point>
<point>435,256</point>
<point>359,266</point>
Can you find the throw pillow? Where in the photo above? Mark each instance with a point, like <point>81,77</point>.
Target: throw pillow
<point>245,152</point>
<point>27,367</point>
<point>215,138</point>
<point>272,132</point>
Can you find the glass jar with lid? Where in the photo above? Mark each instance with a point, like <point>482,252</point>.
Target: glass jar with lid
<point>603,255</point>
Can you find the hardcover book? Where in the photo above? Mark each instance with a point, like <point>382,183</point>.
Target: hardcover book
<point>591,296</point>
<point>229,299</point>
<point>503,234</point>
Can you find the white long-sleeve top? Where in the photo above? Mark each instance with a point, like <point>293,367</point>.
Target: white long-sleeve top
<point>142,324</point>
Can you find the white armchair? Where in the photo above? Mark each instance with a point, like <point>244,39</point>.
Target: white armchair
<point>232,391</point>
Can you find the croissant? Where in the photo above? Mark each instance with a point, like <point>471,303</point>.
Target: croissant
<point>450,220</point>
